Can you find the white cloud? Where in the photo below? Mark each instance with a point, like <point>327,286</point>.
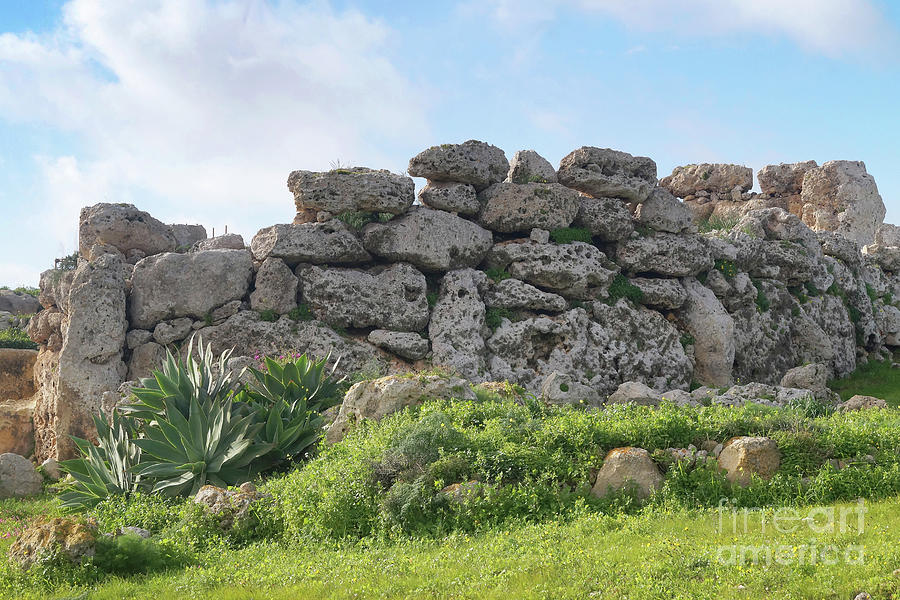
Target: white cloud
<point>830,27</point>
<point>208,105</point>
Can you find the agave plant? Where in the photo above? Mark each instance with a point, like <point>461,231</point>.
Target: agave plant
<point>211,445</point>
<point>179,381</point>
<point>103,470</point>
<point>288,400</point>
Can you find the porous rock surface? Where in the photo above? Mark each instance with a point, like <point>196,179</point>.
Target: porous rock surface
<point>630,469</point>
<point>474,282</point>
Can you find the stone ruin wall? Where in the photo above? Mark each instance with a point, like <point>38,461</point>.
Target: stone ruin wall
<point>468,278</point>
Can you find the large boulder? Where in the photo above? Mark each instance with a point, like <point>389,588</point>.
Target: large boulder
<point>18,477</point>
<point>349,190</point>
<point>451,196</point>
<point>743,457</point>
<point>606,218</point>
<point>275,288</point>
<point>666,294</point>
<point>168,286</point>
<point>317,243</point>
<point>378,398</point>
<point>887,257</point>
<point>124,227</point>
<point>510,207</point>
<point>226,241</point>
<point>601,172</point>
<point>841,196</point>
<point>516,294</point>
<point>477,163</point>
<point>457,322</point>
<point>813,377</point>
<point>784,179</point>
<point>887,235</point>
<point>562,388</point>
<point>621,343</point>
<point>16,373</point>
<point>573,270</point>
<point>90,360</point>
<point>402,343</point>
<point>17,426</point>
<point>187,235</point>
<point>628,469</point>
<point>247,334</point>
<point>634,392</point>
<point>712,328</point>
<point>662,211</point>
<point>721,179</point>
<point>432,240</point>
<point>68,537</point>
<point>18,303</point>
<point>387,298</point>
<point>527,166</point>
<point>861,402</point>
<point>665,254</point>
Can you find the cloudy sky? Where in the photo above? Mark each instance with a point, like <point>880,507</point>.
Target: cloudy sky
<point>197,110</point>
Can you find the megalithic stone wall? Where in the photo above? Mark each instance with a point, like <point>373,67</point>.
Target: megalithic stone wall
<point>567,281</point>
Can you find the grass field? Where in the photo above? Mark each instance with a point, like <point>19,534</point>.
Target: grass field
<point>652,555</point>
<point>877,379</point>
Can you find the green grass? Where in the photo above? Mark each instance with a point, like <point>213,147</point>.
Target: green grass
<point>875,378</point>
<point>649,556</point>
<point>16,338</point>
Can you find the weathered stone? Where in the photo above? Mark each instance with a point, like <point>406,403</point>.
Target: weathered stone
<point>712,328</point>
<point>317,243</point>
<point>813,377</point>
<point>187,235</point>
<point>350,190</point>
<point>887,235</point>
<point>634,392</point>
<point>717,178</point>
<point>408,345</point>
<point>560,388</point>
<point>124,227</point>
<point>473,162</point>
<point>663,212</point>
<point>137,337</point>
<point>573,270</point>
<point>230,507</point>
<point>392,298</point>
<point>527,166</point>
<point>90,361</point>
<point>168,286</point>
<point>17,303</point>
<point>16,373</point>
<point>68,537</point>
<point>168,332</point>
<point>606,218</point>
<point>378,398</point>
<point>51,469</point>
<point>628,469</point>
<point>660,293</point>
<point>228,241</point>
<point>54,284</point>
<point>784,179</point>
<point>860,402</point>
<point>516,294</point>
<point>457,322</point>
<point>601,172</point>
<point>509,207</point>
<point>18,477</point>
<point>248,335</point>
<point>17,425</point>
<point>841,196</point>
<point>275,288</point>
<point>666,254</point>
<point>888,319</point>
<point>887,257</point>
<point>743,457</point>
<point>432,240</point>
<point>450,196</point>
<point>144,359</point>
<point>623,343</point>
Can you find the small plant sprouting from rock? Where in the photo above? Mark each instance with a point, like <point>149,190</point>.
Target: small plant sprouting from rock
<point>567,235</point>
<point>494,316</point>
<point>268,315</point>
<point>497,275</point>
<point>359,219</point>
<point>687,340</point>
<point>762,301</point>
<point>727,268</point>
<point>432,298</point>
<point>715,223</point>
<point>301,313</point>
<point>621,287</point>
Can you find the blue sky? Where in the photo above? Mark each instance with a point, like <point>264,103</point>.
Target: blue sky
<point>196,111</point>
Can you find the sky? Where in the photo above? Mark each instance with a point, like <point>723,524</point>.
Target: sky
<point>197,110</point>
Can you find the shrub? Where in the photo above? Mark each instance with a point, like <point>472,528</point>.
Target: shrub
<point>727,268</point>
<point>567,235</point>
<point>16,338</point>
<point>497,275</point>
<point>493,316</point>
<point>621,287</point>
